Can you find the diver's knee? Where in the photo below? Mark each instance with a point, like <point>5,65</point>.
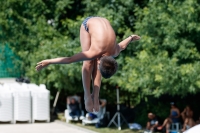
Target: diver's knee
<point>88,64</point>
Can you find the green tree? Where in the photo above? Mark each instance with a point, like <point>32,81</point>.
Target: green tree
<point>167,56</point>
<point>165,60</point>
<point>37,30</point>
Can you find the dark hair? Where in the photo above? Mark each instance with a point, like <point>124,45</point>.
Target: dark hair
<point>108,66</point>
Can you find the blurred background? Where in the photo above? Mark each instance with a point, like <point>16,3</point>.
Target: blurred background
<point>162,67</point>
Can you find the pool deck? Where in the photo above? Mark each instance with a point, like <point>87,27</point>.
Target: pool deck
<point>52,127</point>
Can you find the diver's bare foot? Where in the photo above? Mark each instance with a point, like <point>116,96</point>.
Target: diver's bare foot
<point>96,103</point>
<point>89,106</point>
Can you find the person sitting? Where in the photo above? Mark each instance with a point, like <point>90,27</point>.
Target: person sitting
<point>74,107</point>
<point>92,116</point>
<point>173,118</point>
<point>187,115</point>
<point>187,112</point>
<point>152,123</point>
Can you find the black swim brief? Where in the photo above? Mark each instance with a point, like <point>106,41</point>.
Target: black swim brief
<point>85,23</point>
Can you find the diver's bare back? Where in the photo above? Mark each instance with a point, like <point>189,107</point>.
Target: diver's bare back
<point>103,38</point>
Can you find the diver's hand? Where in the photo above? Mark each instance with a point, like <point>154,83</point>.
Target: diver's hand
<point>42,64</point>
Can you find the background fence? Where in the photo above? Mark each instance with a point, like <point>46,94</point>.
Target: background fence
<point>8,63</point>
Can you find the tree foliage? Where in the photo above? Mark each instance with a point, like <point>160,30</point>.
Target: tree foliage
<point>165,60</point>
<point>167,56</point>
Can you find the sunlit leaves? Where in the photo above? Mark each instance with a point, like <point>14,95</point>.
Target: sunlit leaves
<point>165,60</point>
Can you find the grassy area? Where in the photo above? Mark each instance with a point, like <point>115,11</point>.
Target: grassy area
<point>113,129</point>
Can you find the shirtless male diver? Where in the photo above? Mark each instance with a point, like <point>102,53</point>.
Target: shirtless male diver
<point>99,46</point>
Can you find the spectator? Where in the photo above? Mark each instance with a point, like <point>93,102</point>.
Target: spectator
<point>74,107</point>
<point>187,115</point>
<point>92,116</point>
<point>187,112</point>
<point>173,118</point>
<point>152,123</point>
